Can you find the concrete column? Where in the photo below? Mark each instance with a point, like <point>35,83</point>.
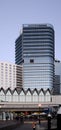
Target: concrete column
<point>59,118</point>
<point>4,116</point>
<point>11,116</point>
<point>1,116</point>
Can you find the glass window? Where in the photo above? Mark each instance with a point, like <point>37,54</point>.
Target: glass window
<point>31,60</point>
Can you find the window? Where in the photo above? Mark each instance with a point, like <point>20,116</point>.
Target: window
<point>31,60</point>
<point>23,60</point>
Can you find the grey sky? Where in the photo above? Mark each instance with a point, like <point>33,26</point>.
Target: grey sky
<point>14,13</point>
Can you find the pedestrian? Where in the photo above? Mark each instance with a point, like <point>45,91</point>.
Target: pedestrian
<point>33,125</point>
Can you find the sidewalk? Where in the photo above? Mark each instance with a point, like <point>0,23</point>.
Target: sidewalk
<point>43,128</point>
<point>38,127</point>
<point>44,125</point>
<point>8,125</point>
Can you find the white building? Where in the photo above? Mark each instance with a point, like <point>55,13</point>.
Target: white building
<point>25,96</point>
<point>10,75</point>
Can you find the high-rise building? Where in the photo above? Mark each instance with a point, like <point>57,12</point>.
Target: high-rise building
<point>34,49</point>
<point>10,75</point>
<point>57,86</point>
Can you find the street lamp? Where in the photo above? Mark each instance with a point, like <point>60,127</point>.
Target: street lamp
<point>39,105</point>
<point>49,121</point>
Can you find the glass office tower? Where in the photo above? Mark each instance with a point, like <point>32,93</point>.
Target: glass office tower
<point>34,50</point>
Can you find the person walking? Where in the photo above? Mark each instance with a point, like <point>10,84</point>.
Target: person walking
<point>33,125</point>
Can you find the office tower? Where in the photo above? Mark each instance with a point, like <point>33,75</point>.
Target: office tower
<point>34,49</point>
<point>10,75</point>
<point>57,86</point>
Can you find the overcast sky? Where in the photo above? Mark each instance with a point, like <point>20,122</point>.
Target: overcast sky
<point>14,13</point>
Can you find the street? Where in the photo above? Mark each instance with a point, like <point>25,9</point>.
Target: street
<point>28,126</point>
<point>25,126</point>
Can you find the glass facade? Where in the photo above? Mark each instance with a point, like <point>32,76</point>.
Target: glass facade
<point>57,85</point>
<point>34,49</point>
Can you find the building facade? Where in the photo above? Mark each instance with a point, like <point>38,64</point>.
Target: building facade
<point>10,75</point>
<point>57,86</point>
<point>25,96</point>
<point>34,50</point>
